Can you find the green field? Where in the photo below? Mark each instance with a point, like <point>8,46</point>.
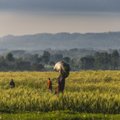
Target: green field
<point>95,94</point>
<point>58,115</point>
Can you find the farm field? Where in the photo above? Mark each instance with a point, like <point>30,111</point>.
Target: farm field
<point>58,115</point>
<point>87,93</point>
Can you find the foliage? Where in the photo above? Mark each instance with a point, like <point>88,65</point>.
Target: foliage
<point>101,60</point>
<point>86,91</point>
<point>58,115</point>
<point>34,62</point>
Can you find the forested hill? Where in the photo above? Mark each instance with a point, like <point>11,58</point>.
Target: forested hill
<point>62,41</point>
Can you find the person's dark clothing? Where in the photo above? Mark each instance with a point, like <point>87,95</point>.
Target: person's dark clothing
<point>61,83</point>
<point>12,84</point>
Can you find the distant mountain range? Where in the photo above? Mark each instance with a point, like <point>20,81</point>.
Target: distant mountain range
<point>107,40</point>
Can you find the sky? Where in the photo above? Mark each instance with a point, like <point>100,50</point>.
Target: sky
<point>18,17</point>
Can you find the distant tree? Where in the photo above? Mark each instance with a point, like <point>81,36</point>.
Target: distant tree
<point>52,63</point>
<point>57,57</point>
<point>115,59</point>
<point>3,64</point>
<point>102,60</point>
<point>38,67</point>
<point>75,63</point>
<point>35,58</point>
<point>87,62</point>
<point>23,65</point>
<point>2,59</point>
<point>67,59</point>
<point>46,57</point>
<point>9,57</point>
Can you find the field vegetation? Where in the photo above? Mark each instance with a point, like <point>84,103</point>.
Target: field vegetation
<point>85,92</point>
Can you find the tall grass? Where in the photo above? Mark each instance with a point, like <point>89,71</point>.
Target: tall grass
<point>86,91</point>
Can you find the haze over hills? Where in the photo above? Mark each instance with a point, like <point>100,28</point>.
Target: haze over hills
<point>108,40</point>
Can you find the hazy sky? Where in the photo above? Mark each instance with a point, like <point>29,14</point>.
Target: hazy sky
<point>36,16</point>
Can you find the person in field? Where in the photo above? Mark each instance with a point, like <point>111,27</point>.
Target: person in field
<point>49,84</point>
<point>64,69</point>
<point>12,83</point>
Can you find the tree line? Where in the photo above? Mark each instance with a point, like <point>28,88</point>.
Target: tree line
<point>101,60</point>
<point>46,61</point>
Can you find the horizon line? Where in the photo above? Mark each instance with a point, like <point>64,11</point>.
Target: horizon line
<point>54,33</point>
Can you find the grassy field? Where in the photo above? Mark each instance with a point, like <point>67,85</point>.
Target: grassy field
<point>85,92</point>
<point>58,115</point>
